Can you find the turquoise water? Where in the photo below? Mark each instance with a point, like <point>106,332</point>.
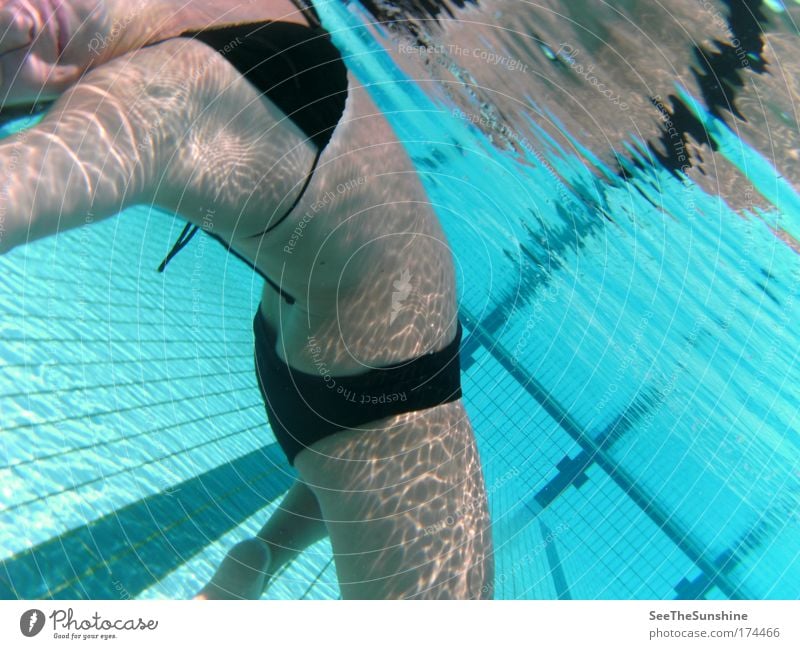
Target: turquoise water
<point>629,368</point>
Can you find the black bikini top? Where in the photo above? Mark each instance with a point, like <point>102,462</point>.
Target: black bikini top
<point>300,70</point>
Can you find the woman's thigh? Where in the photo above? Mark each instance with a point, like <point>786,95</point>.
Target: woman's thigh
<point>405,507</point>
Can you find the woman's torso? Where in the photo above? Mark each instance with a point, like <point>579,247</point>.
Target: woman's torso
<point>362,253</point>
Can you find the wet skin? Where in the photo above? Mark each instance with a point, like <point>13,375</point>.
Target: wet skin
<point>175,125</point>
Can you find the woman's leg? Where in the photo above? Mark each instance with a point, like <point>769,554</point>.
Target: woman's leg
<point>406,507</point>
<point>294,525</point>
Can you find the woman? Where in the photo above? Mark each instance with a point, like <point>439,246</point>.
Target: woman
<point>244,120</point>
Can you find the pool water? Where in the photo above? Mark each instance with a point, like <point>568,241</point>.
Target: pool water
<point>629,368</point>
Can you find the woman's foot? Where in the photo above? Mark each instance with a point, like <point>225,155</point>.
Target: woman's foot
<point>242,574</point>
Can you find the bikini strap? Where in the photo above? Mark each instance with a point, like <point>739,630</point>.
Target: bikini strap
<point>180,244</point>
<point>296,200</point>
<point>226,244</point>
<point>190,230</point>
<point>183,239</point>
<point>310,12</point>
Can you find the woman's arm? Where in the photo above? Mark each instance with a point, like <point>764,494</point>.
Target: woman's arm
<point>173,124</point>
<point>80,160</point>
<point>49,184</point>
<point>46,45</point>
<point>135,23</point>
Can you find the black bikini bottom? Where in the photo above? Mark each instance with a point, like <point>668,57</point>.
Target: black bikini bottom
<point>304,408</point>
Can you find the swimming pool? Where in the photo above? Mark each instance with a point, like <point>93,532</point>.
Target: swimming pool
<point>629,357</point>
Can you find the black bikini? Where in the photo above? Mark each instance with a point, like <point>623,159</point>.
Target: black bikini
<point>304,408</point>
<point>302,72</point>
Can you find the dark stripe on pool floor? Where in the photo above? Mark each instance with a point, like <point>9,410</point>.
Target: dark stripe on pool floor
<point>126,551</point>
<point>595,453</point>
<point>556,571</point>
